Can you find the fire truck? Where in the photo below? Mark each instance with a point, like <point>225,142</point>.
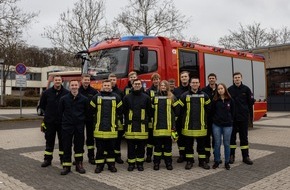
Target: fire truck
<point>169,57</point>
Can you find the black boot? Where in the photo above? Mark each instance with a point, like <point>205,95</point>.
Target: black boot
<point>148,159</point>
<point>216,165</point>
<point>46,163</point>
<point>232,159</point>
<point>65,170</point>
<point>181,158</point>
<point>156,166</point>
<point>131,167</point>
<point>188,165</point>
<point>203,164</point>
<point>227,166</point>
<point>169,166</point>
<point>248,161</point>
<point>79,167</point>
<point>140,166</point>
<point>112,168</point>
<point>99,168</point>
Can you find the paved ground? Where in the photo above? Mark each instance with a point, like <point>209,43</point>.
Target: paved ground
<point>22,145</point>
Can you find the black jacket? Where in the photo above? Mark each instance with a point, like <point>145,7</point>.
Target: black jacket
<point>117,91</point>
<point>73,111</point>
<point>223,112</point>
<point>49,102</point>
<point>244,102</point>
<point>180,90</point>
<point>209,91</point>
<point>89,92</point>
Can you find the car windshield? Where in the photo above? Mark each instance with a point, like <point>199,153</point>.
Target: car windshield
<point>106,61</point>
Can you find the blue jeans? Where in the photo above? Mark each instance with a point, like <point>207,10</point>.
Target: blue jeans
<point>218,132</point>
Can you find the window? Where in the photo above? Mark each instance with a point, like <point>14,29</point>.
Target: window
<point>188,62</point>
<point>152,64</point>
<point>33,76</point>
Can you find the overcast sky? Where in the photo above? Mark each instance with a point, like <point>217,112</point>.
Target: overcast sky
<point>210,19</point>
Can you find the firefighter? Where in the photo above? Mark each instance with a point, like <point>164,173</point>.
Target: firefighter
<point>184,87</point>
<point>137,106</point>
<point>89,92</point>
<point>195,105</point>
<point>51,124</point>
<point>113,78</point>
<point>73,110</point>
<point>171,84</point>
<point>131,76</point>
<point>107,107</point>
<point>152,91</point>
<point>244,101</point>
<point>163,124</point>
<point>210,90</point>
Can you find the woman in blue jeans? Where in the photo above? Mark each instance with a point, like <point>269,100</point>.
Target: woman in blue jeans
<point>222,113</point>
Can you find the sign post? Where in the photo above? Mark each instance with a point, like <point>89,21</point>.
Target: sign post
<point>20,69</point>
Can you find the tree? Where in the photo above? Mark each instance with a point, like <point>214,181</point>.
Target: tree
<point>13,21</point>
<point>253,36</point>
<point>152,17</point>
<point>78,28</point>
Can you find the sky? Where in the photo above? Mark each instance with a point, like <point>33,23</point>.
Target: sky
<point>209,19</point>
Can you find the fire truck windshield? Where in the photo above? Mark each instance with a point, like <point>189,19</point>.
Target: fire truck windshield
<point>106,61</point>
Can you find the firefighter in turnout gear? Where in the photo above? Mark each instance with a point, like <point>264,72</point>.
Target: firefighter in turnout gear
<point>184,87</point>
<point>107,107</point>
<point>152,91</point>
<point>195,106</point>
<point>131,76</point>
<point>163,124</point>
<point>73,110</point>
<point>113,78</point>
<point>244,101</point>
<point>137,107</point>
<point>89,92</point>
<point>49,102</point>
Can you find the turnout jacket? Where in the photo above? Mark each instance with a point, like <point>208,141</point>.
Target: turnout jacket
<point>49,102</point>
<point>164,115</point>
<point>73,111</point>
<point>223,112</point>
<point>137,107</point>
<point>107,107</point>
<point>244,102</point>
<point>195,107</point>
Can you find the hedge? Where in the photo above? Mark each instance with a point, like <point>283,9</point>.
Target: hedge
<point>14,101</point>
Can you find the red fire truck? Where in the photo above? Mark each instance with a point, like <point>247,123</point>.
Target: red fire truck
<point>168,57</point>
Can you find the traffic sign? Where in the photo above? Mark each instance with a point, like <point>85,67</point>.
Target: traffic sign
<point>20,81</point>
<point>20,69</point>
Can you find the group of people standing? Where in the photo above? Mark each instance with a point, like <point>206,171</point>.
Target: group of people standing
<point>147,119</point>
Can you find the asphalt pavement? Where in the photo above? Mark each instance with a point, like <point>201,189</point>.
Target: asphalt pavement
<point>22,147</point>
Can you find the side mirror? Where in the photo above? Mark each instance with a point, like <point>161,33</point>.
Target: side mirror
<point>143,55</point>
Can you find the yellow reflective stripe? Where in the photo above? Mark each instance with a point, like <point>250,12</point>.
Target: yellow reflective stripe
<point>189,155</point>
<point>47,153</point>
<point>117,151</point>
<point>208,149</point>
<point>167,154</point>
<point>113,117</point>
<point>132,160</point>
<point>162,132</point>
<point>130,115</point>
<point>181,103</point>
<point>175,104</point>
<point>106,134</point>
<point>194,133</point>
<point>202,113</point>
<point>99,102</point>
<point>105,152</point>
<point>245,147</point>
<point>143,128</point>
<point>201,156</point>
<point>136,135</point>
<point>66,164</point>
<point>142,114</point>
<point>149,145</point>
<point>186,124</point>
<point>129,128</point>
<point>100,161</point>
<point>157,153</point>
<point>181,148</point>
<point>168,109</point>
<point>93,104</point>
<point>127,91</point>
<point>60,153</point>
<point>140,159</point>
<point>207,102</point>
<point>110,159</point>
<point>152,93</point>
<point>120,104</point>
<point>90,147</point>
<point>233,146</point>
<point>155,113</point>
<point>78,155</point>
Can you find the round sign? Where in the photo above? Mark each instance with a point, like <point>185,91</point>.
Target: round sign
<point>20,69</point>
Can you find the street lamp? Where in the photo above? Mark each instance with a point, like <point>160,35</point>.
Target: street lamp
<point>2,78</point>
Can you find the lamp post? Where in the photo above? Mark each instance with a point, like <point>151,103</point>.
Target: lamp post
<point>2,77</point>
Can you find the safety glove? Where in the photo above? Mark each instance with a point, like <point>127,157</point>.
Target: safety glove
<point>43,127</point>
